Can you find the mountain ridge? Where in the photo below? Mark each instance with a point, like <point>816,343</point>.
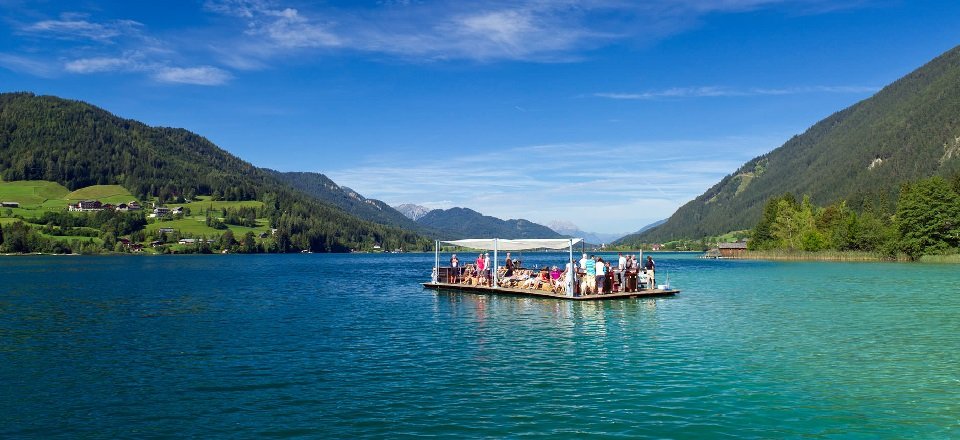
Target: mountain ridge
<point>908,130</point>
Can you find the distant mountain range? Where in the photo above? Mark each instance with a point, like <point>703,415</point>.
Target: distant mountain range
<point>456,223</point>
<point>862,154</point>
<point>571,230</point>
<point>632,238</point>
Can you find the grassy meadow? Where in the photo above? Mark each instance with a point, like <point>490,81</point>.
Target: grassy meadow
<point>36,197</point>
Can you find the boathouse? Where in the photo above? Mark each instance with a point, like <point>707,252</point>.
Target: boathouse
<point>732,250</point>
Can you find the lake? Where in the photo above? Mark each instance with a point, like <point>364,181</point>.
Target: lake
<point>320,346</point>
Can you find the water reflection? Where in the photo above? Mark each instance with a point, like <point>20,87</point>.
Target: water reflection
<point>594,318</point>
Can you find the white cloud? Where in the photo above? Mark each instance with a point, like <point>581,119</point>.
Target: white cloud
<point>202,75</point>
<point>76,26</point>
<point>27,65</point>
<point>526,30</point>
<point>715,91</point>
<point>101,64</point>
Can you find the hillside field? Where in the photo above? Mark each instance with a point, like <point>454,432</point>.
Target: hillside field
<point>114,194</point>
<point>32,193</point>
<point>195,226</point>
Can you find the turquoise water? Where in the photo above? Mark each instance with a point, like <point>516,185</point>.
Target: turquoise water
<point>320,346</point>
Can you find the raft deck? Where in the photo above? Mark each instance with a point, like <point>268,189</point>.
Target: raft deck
<point>646,293</point>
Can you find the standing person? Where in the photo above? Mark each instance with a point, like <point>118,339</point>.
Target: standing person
<point>486,265</point>
<point>583,262</point>
<point>601,274</point>
<point>622,272</point>
<point>508,264</point>
<point>454,269</point>
<point>652,275</point>
<point>591,277</point>
<point>480,269</point>
<point>568,275</point>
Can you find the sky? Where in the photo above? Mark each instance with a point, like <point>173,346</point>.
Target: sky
<point>609,114</point>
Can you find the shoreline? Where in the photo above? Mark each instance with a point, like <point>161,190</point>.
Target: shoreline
<point>846,257</point>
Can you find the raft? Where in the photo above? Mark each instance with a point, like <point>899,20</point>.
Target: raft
<point>646,293</point>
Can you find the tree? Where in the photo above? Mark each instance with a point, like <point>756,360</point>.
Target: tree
<point>226,240</point>
<point>928,217</point>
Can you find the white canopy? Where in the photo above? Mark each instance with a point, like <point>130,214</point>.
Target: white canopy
<point>515,245</point>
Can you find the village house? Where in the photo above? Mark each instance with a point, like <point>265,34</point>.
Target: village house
<point>159,212</point>
<point>86,206</point>
<point>132,206</point>
<point>9,204</point>
<point>193,241</point>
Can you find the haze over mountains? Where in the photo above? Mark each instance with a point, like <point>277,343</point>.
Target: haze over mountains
<point>862,154</point>
<point>571,230</point>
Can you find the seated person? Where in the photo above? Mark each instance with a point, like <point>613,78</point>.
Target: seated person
<point>524,279</point>
<point>555,273</point>
<point>560,284</point>
<point>469,273</point>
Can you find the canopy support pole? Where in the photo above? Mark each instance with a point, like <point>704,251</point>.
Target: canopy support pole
<point>572,276</point>
<point>496,261</point>
<point>436,260</point>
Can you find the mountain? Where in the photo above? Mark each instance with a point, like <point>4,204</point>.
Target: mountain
<point>907,131</point>
<point>571,230</point>
<point>411,211</point>
<point>633,237</point>
<point>78,145</point>
<point>457,223</point>
<point>322,188</point>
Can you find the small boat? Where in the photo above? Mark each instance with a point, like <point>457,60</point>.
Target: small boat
<point>450,279</point>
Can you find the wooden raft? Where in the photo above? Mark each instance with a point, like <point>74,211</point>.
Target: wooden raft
<point>647,293</point>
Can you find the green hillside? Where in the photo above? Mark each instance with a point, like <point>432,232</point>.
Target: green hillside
<point>31,192</point>
<point>863,154</point>
<point>104,193</point>
<point>78,145</point>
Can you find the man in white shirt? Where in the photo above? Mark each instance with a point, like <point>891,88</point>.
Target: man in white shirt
<point>622,272</point>
<point>601,274</point>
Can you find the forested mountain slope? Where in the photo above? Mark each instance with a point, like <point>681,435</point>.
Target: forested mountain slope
<point>321,187</point>
<point>467,223</point>
<point>77,144</point>
<point>907,131</point>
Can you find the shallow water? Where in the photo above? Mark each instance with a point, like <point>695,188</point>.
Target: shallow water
<point>310,346</point>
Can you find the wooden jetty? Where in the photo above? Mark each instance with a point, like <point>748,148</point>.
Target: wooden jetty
<point>646,293</point>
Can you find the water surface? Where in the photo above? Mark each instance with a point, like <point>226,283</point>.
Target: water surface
<point>350,345</point>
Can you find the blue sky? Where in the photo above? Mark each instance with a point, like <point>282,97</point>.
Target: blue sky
<point>609,114</point>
